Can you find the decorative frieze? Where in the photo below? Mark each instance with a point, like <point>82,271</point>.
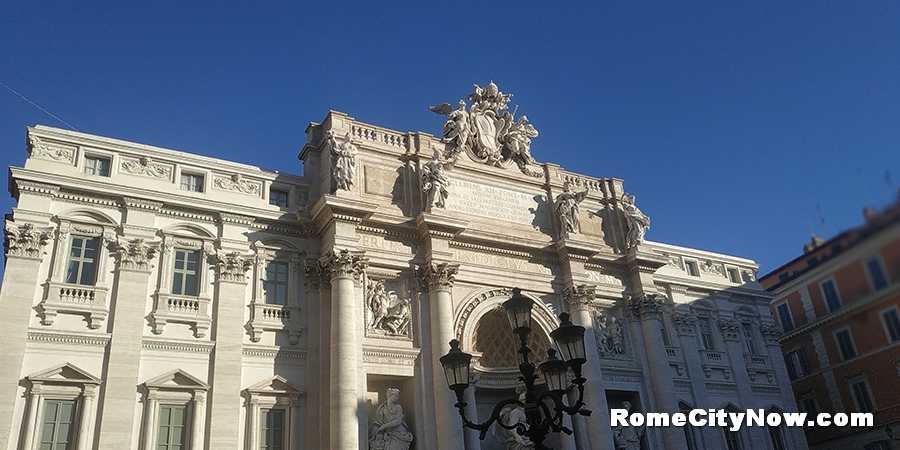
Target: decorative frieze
<point>685,323</point>
<point>26,240</point>
<point>135,254</point>
<point>35,188</point>
<point>232,266</point>
<point>39,149</point>
<point>439,276</point>
<point>237,183</point>
<point>140,203</point>
<point>731,329</point>
<point>101,340</point>
<point>146,167</point>
<point>579,297</point>
<point>344,263</point>
<point>712,268</point>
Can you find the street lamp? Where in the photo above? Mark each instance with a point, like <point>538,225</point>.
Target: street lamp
<point>544,411</point>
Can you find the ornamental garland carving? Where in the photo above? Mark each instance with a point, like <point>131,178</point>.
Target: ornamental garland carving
<point>145,166</point>
<point>136,253</point>
<point>344,263</point>
<point>232,266</point>
<point>39,149</point>
<point>237,183</point>
<point>26,240</point>
<point>488,131</point>
<point>712,268</point>
<point>685,323</point>
<point>440,276</point>
<point>579,297</point>
<point>646,305</point>
<point>771,332</point>
<point>731,329</point>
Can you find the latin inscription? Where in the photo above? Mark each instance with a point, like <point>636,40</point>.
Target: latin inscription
<point>602,278</point>
<point>503,262</point>
<point>380,243</point>
<point>496,203</point>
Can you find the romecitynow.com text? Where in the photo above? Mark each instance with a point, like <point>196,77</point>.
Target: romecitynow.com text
<point>734,420</point>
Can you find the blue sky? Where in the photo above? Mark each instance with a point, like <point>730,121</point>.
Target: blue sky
<point>737,125</point>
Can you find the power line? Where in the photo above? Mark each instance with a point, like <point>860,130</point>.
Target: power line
<point>26,79</point>
<point>37,106</point>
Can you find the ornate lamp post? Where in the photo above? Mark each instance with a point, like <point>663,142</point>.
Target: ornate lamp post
<point>544,411</point>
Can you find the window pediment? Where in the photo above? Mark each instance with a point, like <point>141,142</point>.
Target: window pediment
<point>175,380</point>
<point>276,385</point>
<point>66,373</point>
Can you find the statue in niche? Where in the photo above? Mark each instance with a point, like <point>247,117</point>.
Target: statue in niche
<point>567,210</point>
<point>638,222</point>
<point>343,166</point>
<point>389,313</point>
<point>434,182</point>
<point>511,415</point>
<point>388,430</point>
<point>627,437</point>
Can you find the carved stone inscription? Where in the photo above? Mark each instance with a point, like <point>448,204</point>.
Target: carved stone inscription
<point>380,243</point>
<point>492,202</point>
<point>598,277</point>
<point>503,262</point>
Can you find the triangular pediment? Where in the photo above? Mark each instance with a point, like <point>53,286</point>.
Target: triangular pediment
<point>64,373</point>
<point>276,385</point>
<point>176,379</point>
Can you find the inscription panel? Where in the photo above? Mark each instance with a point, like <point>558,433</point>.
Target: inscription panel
<point>603,278</point>
<point>499,261</point>
<point>494,203</point>
<point>380,243</point>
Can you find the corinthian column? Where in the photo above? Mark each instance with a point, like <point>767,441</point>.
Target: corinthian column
<point>579,299</point>
<point>438,280</point>
<point>345,267</point>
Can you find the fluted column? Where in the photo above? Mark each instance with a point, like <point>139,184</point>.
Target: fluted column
<point>438,280</point>
<point>318,310</point>
<point>345,267</point>
<point>579,299</point>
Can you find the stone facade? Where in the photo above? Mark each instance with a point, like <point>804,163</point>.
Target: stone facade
<point>174,290</point>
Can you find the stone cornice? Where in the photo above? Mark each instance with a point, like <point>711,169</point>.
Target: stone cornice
<point>36,188</point>
<point>273,352</point>
<point>94,340</point>
<point>441,227</point>
<point>140,203</point>
<point>169,345</point>
<point>645,262</point>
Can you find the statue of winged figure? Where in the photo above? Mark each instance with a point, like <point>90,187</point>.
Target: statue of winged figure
<point>457,127</point>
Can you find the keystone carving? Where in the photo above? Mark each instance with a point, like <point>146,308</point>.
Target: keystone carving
<point>135,254</point>
<point>26,240</point>
<point>579,297</point>
<point>344,263</point>
<point>437,276</point>
<point>232,266</point>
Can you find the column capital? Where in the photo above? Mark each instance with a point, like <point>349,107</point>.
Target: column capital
<point>771,332</point>
<point>731,329</point>
<point>579,297</point>
<point>685,323</point>
<point>135,254</point>
<point>26,240</point>
<point>646,306</point>
<point>344,263</point>
<point>435,277</point>
<point>232,266</point>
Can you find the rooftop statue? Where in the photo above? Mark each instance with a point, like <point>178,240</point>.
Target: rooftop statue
<point>638,222</point>
<point>488,132</point>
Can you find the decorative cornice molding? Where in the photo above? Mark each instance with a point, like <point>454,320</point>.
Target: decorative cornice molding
<point>177,346</point>
<point>35,188</point>
<point>390,356</point>
<point>140,203</point>
<point>235,219</point>
<point>69,338</point>
<point>273,353</point>
<point>434,277</point>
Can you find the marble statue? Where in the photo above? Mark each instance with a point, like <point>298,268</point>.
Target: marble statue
<point>388,313</point>
<point>519,139</point>
<point>434,182</point>
<point>638,222</point>
<point>343,166</point>
<point>627,437</point>
<point>388,430</point>
<point>509,416</point>
<point>567,210</point>
<point>457,127</point>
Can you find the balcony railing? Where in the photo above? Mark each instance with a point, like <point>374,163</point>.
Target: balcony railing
<point>193,311</point>
<point>89,301</point>
<point>266,317</point>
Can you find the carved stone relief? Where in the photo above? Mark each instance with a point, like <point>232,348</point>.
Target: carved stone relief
<point>238,184</point>
<point>387,313</point>
<point>145,166</point>
<point>41,150</point>
<point>711,268</point>
<point>610,335</point>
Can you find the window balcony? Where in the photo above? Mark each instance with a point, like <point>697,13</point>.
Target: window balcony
<point>267,317</point>
<point>77,299</point>
<point>174,308</point>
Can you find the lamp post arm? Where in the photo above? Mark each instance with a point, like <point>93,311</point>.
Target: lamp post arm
<point>483,427</point>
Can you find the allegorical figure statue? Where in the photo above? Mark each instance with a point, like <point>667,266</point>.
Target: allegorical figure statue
<point>638,222</point>
<point>343,165</point>
<point>389,430</point>
<point>388,313</point>
<point>457,128</point>
<point>627,437</point>
<point>510,416</point>
<point>567,210</point>
<point>434,182</point>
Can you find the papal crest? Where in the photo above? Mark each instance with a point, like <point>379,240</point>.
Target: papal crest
<point>488,131</point>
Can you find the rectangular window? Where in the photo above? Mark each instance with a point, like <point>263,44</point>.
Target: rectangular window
<point>777,438</point>
<point>734,275</point>
<point>184,275</point>
<point>275,284</point>
<point>271,433</point>
<point>749,338</point>
<point>796,364</point>
<point>95,165</point>
<point>862,396</point>
<point>732,439</point>
<point>891,319</point>
<point>58,427</point>
<point>172,434</point>
<point>810,407</point>
<point>278,198</point>
<point>829,290</point>
<point>691,268</point>
<point>706,335</point>
<point>192,182</point>
<point>689,434</point>
<point>845,344</point>
<point>876,274</point>
<point>784,316</point>
<point>80,268</point>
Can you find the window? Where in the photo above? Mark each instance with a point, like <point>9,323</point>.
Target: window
<point>706,333</point>
<point>809,406</point>
<point>689,434</point>
<point>829,290</point>
<point>784,276</point>
<point>777,438</point>
<point>95,165</point>
<point>82,255</point>
<point>876,274</point>
<point>845,344</point>
<point>891,320</point>
<point>58,427</point>
<point>691,268</point>
<point>732,438</point>
<point>862,396</point>
<point>784,316</point>
<point>271,431</point>
<point>734,275</point>
<point>192,182</point>
<point>796,364</point>
<point>171,434</point>
<point>278,197</point>
<point>749,338</point>
<point>275,284</point>
<point>184,277</point>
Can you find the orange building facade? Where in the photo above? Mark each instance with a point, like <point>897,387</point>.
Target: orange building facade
<point>839,307</point>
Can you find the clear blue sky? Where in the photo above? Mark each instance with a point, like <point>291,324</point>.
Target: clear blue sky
<point>730,121</point>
